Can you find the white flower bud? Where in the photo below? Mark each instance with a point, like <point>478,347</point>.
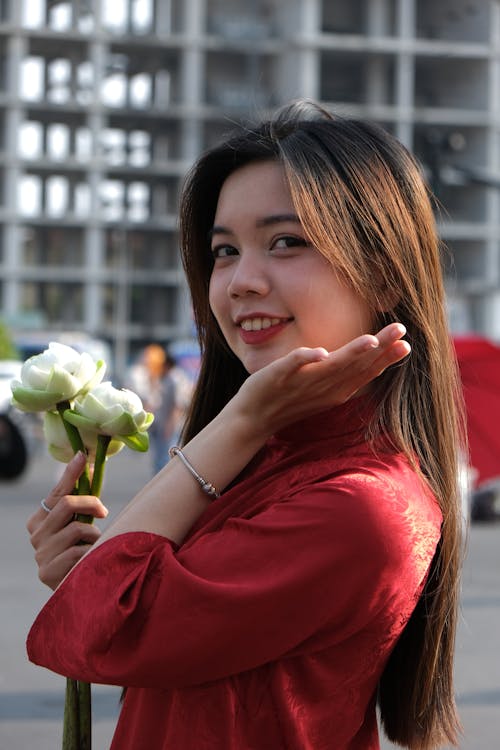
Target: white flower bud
<point>58,374</point>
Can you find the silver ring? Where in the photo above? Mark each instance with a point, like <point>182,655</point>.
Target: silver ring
<point>45,506</point>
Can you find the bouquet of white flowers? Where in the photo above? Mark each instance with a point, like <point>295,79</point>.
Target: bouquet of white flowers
<point>81,413</point>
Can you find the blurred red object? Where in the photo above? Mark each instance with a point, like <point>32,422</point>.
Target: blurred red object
<point>479,365</point>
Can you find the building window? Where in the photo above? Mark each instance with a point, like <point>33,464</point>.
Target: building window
<point>61,304</point>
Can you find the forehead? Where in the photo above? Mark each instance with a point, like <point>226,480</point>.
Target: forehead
<point>255,189</point>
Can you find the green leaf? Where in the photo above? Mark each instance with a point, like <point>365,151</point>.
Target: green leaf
<point>124,424</point>
<point>138,442</point>
<point>78,421</point>
<point>28,399</point>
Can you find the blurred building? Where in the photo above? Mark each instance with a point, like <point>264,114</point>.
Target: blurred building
<point>104,104</point>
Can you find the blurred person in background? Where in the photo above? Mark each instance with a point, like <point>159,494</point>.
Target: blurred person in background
<point>152,378</point>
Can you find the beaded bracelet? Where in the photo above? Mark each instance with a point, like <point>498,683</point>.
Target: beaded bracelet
<point>207,488</point>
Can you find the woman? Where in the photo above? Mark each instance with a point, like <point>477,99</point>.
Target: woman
<point>325,576</point>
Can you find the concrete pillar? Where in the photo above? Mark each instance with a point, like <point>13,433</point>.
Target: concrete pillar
<point>162,17</point>
<point>16,52</point>
<point>378,18</point>
<point>310,24</point>
<point>192,72</point>
<point>405,71</point>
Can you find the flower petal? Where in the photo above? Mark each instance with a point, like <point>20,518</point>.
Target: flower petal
<point>28,399</point>
<point>80,421</point>
<point>122,424</point>
<point>91,407</point>
<point>100,371</point>
<point>115,446</point>
<point>61,380</point>
<point>60,453</point>
<point>34,376</point>
<point>53,429</point>
<point>137,442</point>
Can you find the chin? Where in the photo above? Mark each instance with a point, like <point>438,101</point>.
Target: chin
<point>256,359</point>
<point>252,367</point>
<point>256,362</point>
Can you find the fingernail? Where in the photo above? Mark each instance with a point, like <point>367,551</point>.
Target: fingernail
<point>372,343</point>
<point>77,457</point>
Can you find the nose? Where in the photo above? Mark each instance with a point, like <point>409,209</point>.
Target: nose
<point>249,277</point>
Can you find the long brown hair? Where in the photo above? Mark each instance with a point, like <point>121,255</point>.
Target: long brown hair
<point>364,205</point>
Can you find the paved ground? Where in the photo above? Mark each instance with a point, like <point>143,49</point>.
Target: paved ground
<point>31,699</point>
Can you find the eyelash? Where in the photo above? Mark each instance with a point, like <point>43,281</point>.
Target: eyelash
<point>291,241</point>
<point>218,248</point>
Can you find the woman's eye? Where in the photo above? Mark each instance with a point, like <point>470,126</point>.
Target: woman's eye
<point>223,251</point>
<point>283,243</point>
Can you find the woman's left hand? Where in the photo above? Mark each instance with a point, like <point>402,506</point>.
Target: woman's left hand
<point>308,381</point>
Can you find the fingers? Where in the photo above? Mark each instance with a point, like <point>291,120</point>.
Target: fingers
<point>369,355</point>
<point>300,357</point>
<point>60,541</point>
<point>52,573</point>
<point>380,341</point>
<point>360,361</point>
<point>384,347</point>
<point>64,511</point>
<point>347,370</point>
<point>68,480</point>
<point>77,533</point>
<point>371,345</point>
<point>391,349</point>
<point>73,504</point>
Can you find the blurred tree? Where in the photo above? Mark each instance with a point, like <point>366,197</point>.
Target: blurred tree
<point>7,348</point>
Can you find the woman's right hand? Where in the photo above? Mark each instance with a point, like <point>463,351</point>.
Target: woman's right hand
<point>60,541</point>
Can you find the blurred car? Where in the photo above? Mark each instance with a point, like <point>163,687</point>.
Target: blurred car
<point>14,426</point>
<point>485,501</point>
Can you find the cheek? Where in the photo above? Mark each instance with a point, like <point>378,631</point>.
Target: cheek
<point>349,315</point>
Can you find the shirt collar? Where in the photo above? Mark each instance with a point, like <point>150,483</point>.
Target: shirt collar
<point>348,422</point>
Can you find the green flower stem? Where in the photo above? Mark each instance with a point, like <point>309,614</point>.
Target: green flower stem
<point>77,730</point>
<point>85,716</point>
<point>71,726</point>
<point>77,727</point>
<point>103,442</point>
<point>77,445</point>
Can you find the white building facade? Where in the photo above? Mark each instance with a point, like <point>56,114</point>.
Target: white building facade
<point>104,104</point>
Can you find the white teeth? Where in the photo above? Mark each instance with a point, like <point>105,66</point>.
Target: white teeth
<point>257,324</point>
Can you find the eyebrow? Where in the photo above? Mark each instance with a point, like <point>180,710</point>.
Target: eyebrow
<point>265,221</point>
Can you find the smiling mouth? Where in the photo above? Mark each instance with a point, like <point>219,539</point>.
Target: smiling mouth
<point>260,324</point>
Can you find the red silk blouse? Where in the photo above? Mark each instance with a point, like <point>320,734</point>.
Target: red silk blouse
<point>268,629</point>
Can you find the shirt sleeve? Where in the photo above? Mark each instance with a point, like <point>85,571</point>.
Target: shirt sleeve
<point>140,612</point>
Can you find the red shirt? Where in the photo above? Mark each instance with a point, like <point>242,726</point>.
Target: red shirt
<point>270,626</point>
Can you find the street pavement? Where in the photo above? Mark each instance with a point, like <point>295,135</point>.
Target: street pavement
<point>31,698</point>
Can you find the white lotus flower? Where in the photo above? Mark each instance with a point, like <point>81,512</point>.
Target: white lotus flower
<point>60,447</point>
<point>58,374</point>
<point>115,412</point>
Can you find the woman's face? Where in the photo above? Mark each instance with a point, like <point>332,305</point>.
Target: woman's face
<point>271,291</point>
